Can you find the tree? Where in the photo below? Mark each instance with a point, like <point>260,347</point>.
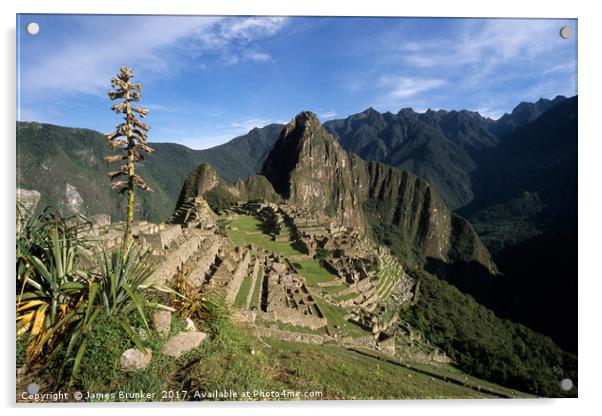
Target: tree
<point>130,140</point>
<point>321,255</point>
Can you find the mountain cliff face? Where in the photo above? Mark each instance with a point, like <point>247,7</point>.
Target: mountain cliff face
<point>310,169</point>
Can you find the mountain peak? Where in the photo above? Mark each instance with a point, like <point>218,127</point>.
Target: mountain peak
<point>306,116</point>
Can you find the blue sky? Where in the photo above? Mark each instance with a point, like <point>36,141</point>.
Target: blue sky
<point>209,79</point>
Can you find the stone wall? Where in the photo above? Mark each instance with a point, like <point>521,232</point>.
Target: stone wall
<point>160,240</point>
<point>172,261</point>
<point>206,257</point>
<point>233,286</point>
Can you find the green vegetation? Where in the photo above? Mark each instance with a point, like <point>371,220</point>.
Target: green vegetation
<point>348,296</point>
<point>257,289</point>
<point>219,199</point>
<point>74,156</point>
<point>336,317</point>
<point>50,282</point>
<point>313,272</point>
<point>245,229</point>
<point>63,295</point>
<point>339,373</point>
<point>241,296</point>
<point>392,237</point>
<point>486,346</point>
<point>508,223</point>
<point>333,290</point>
<point>234,360</point>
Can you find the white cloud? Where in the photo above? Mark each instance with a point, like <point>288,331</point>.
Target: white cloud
<point>396,90</point>
<point>484,63</point>
<point>259,56</point>
<point>153,45</point>
<point>405,87</point>
<point>328,114</point>
<point>487,43</point>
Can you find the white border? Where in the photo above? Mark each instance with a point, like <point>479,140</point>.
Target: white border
<point>590,183</point>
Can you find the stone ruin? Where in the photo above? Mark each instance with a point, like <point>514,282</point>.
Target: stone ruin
<point>195,212</point>
<point>288,300</point>
<point>350,269</point>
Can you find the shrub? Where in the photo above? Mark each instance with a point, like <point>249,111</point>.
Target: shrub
<point>50,282</point>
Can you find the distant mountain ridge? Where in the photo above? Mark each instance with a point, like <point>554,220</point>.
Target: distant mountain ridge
<point>66,166</point>
<point>443,147</point>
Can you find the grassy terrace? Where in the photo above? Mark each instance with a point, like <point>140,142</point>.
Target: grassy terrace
<point>313,272</point>
<point>241,297</point>
<point>246,229</point>
<point>255,298</point>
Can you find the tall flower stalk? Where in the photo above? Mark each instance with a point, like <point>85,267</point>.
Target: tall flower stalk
<point>129,140</point>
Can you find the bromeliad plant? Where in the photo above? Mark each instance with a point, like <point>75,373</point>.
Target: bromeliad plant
<point>50,282</point>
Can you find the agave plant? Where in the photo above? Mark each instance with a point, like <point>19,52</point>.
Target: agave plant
<point>50,282</point>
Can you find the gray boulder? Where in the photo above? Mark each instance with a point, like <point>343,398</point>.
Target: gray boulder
<point>183,342</point>
<point>134,359</point>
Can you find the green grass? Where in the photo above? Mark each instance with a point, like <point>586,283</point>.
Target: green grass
<point>335,316</point>
<point>333,290</point>
<point>348,296</point>
<point>290,327</point>
<point>313,272</point>
<point>248,231</point>
<point>257,289</point>
<point>231,359</point>
<point>241,296</point>
<point>342,374</point>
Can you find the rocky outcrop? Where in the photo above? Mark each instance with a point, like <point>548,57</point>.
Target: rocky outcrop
<point>204,181</point>
<point>199,181</point>
<point>309,168</point>
<point>27,201</point>
<point>162,322</point>
<point>256,188</point>
<point>194,212</point>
